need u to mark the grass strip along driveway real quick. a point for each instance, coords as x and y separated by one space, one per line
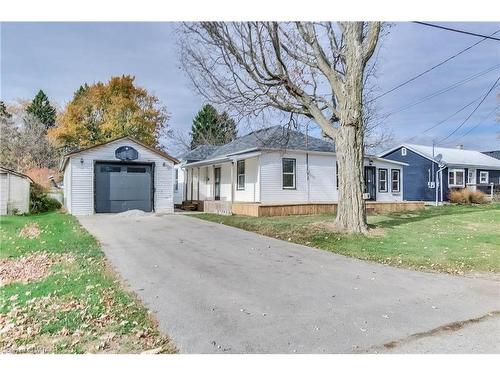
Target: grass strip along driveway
453 239
57 294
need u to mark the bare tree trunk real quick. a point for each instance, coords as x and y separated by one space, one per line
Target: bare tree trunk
351 215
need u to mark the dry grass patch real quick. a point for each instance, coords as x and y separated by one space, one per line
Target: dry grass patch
29 268
30 230
38 326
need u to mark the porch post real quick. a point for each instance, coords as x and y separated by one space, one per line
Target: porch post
212 185
232 181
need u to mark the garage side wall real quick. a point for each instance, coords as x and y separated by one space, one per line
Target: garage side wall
81 196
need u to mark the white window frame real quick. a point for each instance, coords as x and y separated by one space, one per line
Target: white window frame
294 174
403 151
238 175
453 172
386 190
176 186
398 180
471 172
484 173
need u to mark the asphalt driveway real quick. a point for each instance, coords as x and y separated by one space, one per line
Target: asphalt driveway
218 289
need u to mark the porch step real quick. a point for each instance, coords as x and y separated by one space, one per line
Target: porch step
189 206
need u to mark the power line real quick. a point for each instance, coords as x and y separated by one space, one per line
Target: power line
470 115
478 124
430 69
457 30
442 91
444 120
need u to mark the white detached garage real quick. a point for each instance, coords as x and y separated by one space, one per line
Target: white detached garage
118 176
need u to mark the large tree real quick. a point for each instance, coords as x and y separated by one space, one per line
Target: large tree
24 145
310 69
211 127
103 111
41 108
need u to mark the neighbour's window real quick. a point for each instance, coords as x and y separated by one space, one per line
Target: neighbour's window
403 151
395 180
176 180
289 166
240 167
471 178
456 177
484 177
382 180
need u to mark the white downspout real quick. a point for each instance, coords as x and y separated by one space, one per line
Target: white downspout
439 175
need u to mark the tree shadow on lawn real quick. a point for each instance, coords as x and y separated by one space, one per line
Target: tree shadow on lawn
397 219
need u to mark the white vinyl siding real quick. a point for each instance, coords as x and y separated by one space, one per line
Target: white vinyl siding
250 193
271 178
79 179
14 194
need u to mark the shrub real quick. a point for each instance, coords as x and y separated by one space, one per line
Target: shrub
465 196
478 197
40 202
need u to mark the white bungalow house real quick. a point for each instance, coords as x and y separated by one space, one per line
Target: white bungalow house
275 166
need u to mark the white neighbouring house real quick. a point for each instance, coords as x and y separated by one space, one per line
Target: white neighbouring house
116 176
276 165
14 192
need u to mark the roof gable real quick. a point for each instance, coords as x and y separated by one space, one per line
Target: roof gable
450 156
163 154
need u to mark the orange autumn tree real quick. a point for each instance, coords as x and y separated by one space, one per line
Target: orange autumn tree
104 111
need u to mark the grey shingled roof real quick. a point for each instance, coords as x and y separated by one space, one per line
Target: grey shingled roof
494 154
276 137
199 153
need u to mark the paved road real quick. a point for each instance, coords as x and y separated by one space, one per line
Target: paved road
215 289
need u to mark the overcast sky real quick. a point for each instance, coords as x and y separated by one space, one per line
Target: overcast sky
59 57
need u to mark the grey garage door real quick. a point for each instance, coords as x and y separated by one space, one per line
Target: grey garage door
123 187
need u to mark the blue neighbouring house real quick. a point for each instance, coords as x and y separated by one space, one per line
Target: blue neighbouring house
435 171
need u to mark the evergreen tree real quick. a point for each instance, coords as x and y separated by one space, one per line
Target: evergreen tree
211 128
4 114
41 108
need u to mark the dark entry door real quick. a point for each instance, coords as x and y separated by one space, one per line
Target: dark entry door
370 182
217 183
122 187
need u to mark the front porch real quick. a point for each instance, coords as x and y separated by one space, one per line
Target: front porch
311 208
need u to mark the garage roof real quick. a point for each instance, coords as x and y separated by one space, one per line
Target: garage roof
7 170
152 149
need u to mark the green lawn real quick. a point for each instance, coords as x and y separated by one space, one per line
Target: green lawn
453 239
78 306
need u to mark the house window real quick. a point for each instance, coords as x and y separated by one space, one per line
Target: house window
382 180
471 176
484 177
456 178
240 168
395 180
288 168
176 180
403 151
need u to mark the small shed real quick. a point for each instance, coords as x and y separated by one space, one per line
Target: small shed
14 192
116 176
